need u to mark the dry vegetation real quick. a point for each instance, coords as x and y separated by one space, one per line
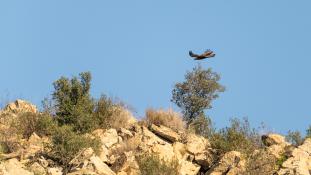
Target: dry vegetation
167 118
151 164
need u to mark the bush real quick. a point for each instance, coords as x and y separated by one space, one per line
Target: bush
150 164
203 126
238 137
28 123
74 106
167 118
109 114
73 103
262 162
196 93
66 144
308 134
9 139
294 137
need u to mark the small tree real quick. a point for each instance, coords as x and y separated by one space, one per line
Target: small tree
196 93
73 102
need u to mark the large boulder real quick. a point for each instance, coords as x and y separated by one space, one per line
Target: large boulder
13 167
188 168
165 132
108 138
20 106
54 171
273 139
37 169
34 145
299 162
205 158
196 144
165 152
276 144
83 172
130 165
100 167
149 139
232 163
179 150
124 133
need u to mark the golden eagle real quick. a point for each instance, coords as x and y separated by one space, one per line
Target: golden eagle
207 54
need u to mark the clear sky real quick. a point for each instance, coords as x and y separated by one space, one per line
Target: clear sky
137 50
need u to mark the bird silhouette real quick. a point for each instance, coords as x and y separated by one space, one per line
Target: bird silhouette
207 54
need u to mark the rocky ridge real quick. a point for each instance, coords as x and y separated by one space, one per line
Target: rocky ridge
120 147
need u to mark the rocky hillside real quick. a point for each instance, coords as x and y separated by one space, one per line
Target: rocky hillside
125 151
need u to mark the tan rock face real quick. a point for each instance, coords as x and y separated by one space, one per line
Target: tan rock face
100 167
54 171
179 150
108 138
37 169
124 133
83 172
13 167
205 159
165 152
34 145
188 168
231 163
273 139
130 166
196 144
20 106
149 138
165 133
300 161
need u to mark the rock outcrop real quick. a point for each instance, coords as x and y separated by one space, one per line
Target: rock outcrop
232 163
299 162
276 144
20 106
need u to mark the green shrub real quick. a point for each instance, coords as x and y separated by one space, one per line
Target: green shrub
103 111
73 103
74 106
45 126
66 144
28 123
150 164
238 137
4 148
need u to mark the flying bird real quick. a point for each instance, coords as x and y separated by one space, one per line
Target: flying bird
207 54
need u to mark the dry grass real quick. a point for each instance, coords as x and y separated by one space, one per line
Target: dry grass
120 117
167 118
261 162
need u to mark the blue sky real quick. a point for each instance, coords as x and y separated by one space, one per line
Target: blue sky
137 50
